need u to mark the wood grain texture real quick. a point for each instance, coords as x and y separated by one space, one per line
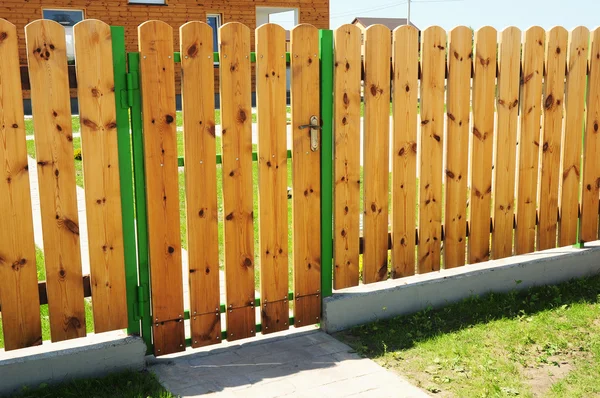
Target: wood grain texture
505 148
552 123
346 119
47 59
160 162
433 68
168 337
460 50
591 161
306 172
272 175
405 63
18 276
481 144
234 46
572 136
200 149
376 153
98 119
529 137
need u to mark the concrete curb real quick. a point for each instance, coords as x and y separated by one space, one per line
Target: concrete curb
368 303
93 356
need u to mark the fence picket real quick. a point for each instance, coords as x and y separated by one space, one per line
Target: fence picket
481 140
552 113
376 153
433 67
272 180
93 51
529 138
404 167
162 191
236 119
347 77
306 175
507 114
18 276
47 60
591 160
572 136
460 50
197 88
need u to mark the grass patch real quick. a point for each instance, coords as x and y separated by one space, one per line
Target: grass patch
543 342
41 274
121 385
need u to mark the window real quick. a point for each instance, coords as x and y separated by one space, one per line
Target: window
214 20
159 2
67 18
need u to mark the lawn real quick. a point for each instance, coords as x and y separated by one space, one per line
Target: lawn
121 385
543 342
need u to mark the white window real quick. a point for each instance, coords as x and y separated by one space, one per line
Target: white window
160 2
67 18
214 20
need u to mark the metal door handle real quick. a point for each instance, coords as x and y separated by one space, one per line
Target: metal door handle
314 132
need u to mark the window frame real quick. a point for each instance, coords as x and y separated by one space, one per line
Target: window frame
68 32
147 2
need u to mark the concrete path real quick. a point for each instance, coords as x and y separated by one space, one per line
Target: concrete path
297 363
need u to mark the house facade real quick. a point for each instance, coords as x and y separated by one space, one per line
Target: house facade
132 13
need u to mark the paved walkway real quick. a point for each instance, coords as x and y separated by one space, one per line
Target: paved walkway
297 363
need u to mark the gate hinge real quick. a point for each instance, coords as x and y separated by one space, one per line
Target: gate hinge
141 301
132 85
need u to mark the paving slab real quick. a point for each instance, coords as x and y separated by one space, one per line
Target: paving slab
303 362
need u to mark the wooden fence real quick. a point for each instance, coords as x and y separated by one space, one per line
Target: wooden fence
491 151
46 49
493 147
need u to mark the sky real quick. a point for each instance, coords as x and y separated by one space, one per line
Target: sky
473 13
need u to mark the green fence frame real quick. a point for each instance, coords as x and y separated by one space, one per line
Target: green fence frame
133 188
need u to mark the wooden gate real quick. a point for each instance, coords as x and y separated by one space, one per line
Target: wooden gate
223 159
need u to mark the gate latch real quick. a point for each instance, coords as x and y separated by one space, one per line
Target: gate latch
314 132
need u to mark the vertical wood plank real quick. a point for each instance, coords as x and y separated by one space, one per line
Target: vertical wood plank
591 161
95 90
346 109
529 138
481 140
404 162
433 67
505 149
306 175
162 191
47 59
197 88
554 93
272 176
18 276
460 56
572 136
234 45
376 153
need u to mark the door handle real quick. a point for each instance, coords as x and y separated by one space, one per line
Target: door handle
314 132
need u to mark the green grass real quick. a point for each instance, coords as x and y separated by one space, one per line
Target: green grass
121 385
545 341
41 274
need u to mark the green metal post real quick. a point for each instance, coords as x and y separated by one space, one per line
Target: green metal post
326 57
140 199
126 176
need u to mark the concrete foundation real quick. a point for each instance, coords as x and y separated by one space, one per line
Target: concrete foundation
368 303
93 356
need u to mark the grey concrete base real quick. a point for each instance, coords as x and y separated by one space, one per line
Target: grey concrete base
93 356
368 303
